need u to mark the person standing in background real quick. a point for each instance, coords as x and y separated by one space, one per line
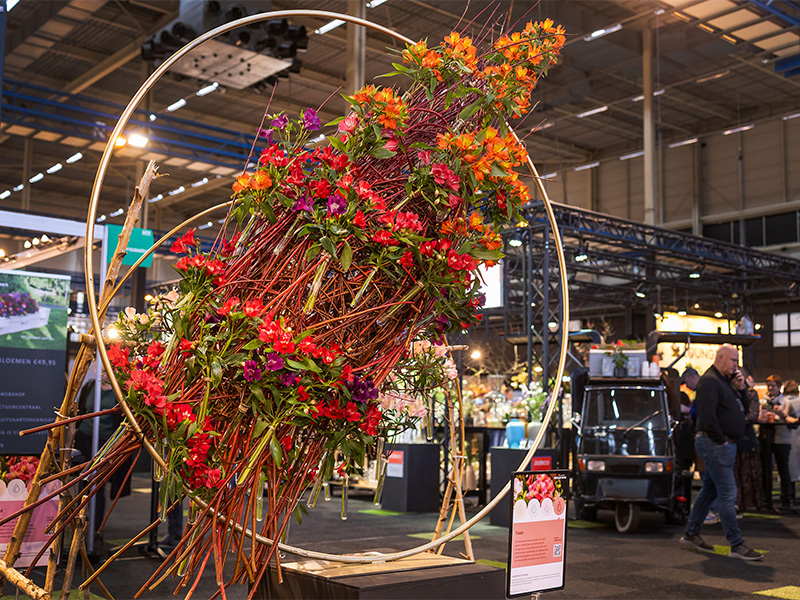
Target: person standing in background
766 438
782 406
720 424
748 460
794 454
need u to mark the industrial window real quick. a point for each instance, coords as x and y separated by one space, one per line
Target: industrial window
718 231
781 229
786 329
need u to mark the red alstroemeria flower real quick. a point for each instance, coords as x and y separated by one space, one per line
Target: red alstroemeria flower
359 220
119 357
182 244
351 412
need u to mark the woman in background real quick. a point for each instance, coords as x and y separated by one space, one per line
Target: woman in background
747 468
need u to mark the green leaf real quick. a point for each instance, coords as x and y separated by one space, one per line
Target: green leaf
347 256
312 252
298 511
337 143
253 344
470 110
329 246
259 427
256 391
294 365
382 153
216 373
266 209
276 450
400 67
486 254
497 171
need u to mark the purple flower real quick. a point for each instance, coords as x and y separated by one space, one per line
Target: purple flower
251 370
266 133
303 203
287 378
273 361
362 390
280 122
336 205
311 120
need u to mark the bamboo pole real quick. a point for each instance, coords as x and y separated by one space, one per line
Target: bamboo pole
79 371
74 550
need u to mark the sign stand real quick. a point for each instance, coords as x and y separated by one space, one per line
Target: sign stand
537 535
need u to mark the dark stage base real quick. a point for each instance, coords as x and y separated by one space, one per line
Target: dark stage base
422 577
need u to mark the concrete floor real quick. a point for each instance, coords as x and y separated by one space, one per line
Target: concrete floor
600 563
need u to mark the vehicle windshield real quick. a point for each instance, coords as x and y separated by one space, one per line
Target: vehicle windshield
625 421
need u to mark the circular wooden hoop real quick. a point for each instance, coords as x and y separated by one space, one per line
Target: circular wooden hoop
94 312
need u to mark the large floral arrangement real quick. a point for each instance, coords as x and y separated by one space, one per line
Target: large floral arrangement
18 467
290 341
15 304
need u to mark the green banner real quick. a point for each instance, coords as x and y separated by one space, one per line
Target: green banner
140 242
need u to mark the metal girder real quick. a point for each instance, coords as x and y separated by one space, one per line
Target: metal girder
591 226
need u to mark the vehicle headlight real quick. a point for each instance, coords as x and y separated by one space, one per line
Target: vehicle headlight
595 465
654 467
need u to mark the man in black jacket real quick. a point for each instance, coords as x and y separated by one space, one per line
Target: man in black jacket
720 423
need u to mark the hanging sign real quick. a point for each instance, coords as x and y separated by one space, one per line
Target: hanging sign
33 348
538 532
140 242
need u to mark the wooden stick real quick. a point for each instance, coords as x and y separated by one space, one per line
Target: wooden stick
22 583
74 550
79 371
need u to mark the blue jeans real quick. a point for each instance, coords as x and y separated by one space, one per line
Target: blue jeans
718 483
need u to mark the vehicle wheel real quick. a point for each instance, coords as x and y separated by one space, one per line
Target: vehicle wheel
626 516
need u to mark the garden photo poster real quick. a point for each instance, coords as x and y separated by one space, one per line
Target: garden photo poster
33 344
537 535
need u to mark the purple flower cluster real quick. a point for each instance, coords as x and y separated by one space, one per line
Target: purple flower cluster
362 390
251 371
17 303
336 205
273 361
311 120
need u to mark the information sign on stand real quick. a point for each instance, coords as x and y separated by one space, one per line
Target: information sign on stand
538 533
33 343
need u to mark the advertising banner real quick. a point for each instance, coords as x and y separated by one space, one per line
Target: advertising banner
12 498
33 347
538 532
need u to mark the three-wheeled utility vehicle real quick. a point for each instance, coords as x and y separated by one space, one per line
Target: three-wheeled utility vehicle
626 456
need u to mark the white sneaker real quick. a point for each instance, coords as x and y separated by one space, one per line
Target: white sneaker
712 518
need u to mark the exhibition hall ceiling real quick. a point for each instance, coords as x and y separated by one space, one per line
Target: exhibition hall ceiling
70 67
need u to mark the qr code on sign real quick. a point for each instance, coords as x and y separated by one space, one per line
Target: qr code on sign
556 550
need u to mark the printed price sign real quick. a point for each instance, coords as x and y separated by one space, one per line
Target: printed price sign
538 532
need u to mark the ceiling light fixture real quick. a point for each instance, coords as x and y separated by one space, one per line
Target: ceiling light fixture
101 218
36 178
207 89
120 142
598 33
552 175
176 105
35 241
515 243
582 253
206 226
632 155
55 168
27 244
639 291
44 238
681 313
718 314
138 140
543 125
329 27
592 111
591 165
19 188
155 199
747 127
176 191
74 158
640 97
117 212
11 4
5 194
683 143
792 116
152 117
375 3
203 181
719 75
